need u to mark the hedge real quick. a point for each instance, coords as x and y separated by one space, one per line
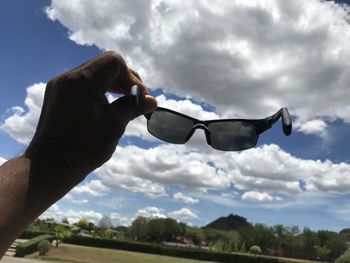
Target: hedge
28 234
31 245
166 251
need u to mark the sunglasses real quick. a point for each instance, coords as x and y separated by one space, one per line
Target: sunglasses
226 135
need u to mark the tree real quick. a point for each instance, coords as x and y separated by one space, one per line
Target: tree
105 222
311 241
172 229
195 234
139 228
226 236
263 236
61 233
218 246
156 229
65 220
39 225
256 250
322 252
336 244
280 233
83 224
344 258
243 249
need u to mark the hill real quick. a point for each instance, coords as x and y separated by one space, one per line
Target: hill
230 222
345 233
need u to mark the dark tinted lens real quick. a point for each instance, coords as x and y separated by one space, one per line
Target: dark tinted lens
169 126
232 135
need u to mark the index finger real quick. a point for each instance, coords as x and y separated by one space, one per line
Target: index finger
100 73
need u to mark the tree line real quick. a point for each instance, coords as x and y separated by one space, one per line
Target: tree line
278 240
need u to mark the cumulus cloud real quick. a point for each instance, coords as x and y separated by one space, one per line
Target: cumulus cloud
70 198
184 198
80 201
22 123
146 170
150 212
266 169
246 58
93 188
154 212
183 214
316 126
73 216
253 196
2 160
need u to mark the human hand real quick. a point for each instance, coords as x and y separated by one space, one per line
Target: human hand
78 128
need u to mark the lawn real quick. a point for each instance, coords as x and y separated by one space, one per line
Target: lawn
79 254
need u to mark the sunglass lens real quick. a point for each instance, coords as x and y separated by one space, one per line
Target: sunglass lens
232 135
169 127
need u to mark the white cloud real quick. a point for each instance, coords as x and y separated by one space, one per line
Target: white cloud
21 124
73 216
253 196
247 58
183 214
93 188
312 127
155 212
267 169
151 212
80 201
184 198
69 197
121 220
2 160
150 170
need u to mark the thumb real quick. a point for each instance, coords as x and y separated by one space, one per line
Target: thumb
123 109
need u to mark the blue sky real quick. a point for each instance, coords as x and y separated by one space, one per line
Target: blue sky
230 59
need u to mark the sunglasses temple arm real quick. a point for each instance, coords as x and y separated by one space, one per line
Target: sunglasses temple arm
286 120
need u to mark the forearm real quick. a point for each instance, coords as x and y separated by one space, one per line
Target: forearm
27 188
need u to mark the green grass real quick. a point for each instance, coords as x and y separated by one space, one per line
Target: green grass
66 253
79 254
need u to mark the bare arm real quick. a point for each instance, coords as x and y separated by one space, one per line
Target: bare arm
77 132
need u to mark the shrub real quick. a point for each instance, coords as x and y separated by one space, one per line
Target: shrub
29 234
256 250
167 251
61 233
345 258
31 245
43 247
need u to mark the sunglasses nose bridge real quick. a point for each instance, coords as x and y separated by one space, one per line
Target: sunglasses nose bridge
203 127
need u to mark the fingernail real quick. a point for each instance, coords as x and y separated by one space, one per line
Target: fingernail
135 95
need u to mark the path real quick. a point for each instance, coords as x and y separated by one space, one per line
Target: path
6 259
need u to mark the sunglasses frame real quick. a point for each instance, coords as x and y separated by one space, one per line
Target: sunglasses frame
261 125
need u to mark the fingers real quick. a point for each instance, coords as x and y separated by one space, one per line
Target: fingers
107 72
123 109
126 79
100 73
135 74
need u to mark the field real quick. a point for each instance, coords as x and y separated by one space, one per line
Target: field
67 253
79 254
